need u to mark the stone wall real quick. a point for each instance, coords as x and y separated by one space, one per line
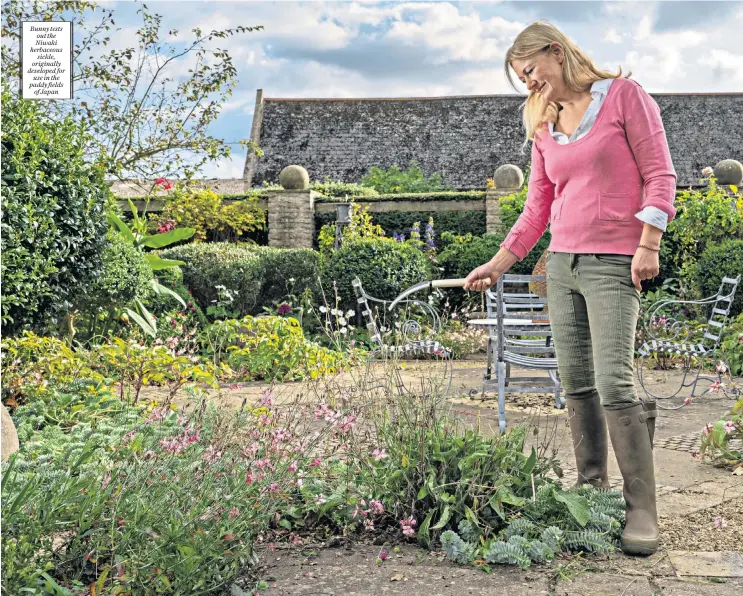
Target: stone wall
462 138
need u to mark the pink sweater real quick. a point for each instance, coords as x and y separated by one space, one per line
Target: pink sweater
590 190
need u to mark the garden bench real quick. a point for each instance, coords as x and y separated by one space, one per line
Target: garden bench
669 336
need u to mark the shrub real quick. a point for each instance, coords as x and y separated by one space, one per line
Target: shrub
724 259
54 208
31 363
703 218
463 254
205 212
272 348
396 180
335 190
125 275
258 274
384 266
731 346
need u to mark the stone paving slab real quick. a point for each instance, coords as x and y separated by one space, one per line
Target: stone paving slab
713 564
604 584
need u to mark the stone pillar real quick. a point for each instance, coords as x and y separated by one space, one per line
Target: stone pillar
291 211
508 180
255 137
9 435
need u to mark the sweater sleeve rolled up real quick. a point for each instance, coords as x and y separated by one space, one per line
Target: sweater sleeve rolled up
647 139
533 221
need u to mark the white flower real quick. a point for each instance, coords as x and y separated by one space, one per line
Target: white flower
342 321
343 330
323 309
708 171
291 280
349 314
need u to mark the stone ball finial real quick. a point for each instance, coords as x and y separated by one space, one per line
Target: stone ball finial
294 178
508 176
729 171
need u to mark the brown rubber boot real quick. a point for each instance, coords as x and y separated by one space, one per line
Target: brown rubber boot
590 441
630 437
651 413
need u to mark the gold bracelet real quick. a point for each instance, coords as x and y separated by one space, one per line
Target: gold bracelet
648 247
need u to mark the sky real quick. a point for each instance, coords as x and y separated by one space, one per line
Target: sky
428 49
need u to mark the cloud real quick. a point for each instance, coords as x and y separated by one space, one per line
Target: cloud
672 16
231 167
558 12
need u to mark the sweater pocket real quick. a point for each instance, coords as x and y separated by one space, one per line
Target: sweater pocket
614 206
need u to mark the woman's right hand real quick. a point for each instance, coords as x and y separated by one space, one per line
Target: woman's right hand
482 277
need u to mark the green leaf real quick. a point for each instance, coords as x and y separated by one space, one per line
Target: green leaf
444 519
530 463
285 523
122 227
161 290
141 322
423 492
156 263
497 505
160 240
577 505
424 538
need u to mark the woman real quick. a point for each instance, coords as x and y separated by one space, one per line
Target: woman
602 177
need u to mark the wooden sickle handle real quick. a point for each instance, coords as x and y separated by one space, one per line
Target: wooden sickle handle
454 283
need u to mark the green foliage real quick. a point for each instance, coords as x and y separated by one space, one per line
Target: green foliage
718 260
205 212
396 180
384 266
425 196
338 191
705 217
361 226
731 346
151 501
585 519
54 207
717 438
271 348
260 275
124 277
31 363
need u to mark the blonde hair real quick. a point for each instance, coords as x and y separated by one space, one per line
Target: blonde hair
578 70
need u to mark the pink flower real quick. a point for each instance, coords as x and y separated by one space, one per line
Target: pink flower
211 454
234 386
347 423
383 556
688 400
376 507
273 487
379 455
707 429
292 467
284 308
267 398
368 524
729 426
164 184
250 478
407 526
721 523
316 462
721 368
717 386
234 512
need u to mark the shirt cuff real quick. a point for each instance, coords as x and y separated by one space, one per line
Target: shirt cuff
653 216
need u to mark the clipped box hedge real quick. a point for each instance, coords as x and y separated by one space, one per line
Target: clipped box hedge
260 274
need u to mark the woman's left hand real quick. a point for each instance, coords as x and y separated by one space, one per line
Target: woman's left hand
645 265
